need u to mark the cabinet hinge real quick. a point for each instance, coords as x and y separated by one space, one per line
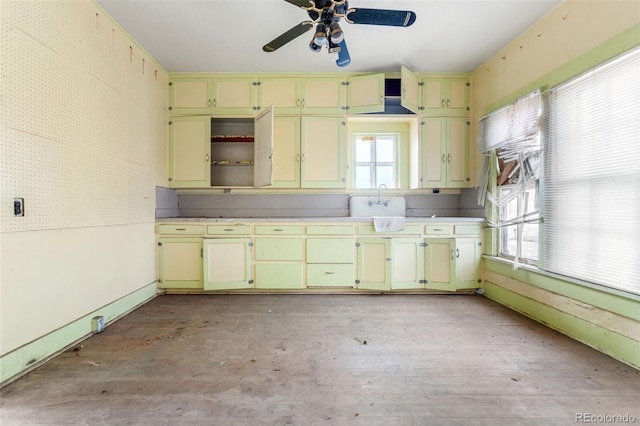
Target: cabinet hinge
170 83
423 244
159 244
468 123
423 281
357 244
255 108
159 281
468 84
344 83
345 108
170 123
250 243
170 108
421 108
357 281
170 179
479 244
421 83
250 282
256 83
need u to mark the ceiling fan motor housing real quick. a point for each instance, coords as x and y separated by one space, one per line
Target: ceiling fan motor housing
328 14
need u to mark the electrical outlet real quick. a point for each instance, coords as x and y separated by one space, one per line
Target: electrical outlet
18 206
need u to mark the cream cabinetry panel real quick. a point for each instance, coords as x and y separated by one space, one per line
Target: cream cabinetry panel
439 265
445 151
286 152
365 93
323 152
445 96
407 263
283 93
234 96
323 96
227 263
467 260
189 152
180 263
410 90
374 263
190 95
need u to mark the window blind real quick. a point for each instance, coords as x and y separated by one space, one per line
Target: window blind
592 176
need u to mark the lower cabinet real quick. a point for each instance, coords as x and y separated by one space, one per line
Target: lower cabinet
180 263
452 263
374 263
407 265
227 263
330 262
279 262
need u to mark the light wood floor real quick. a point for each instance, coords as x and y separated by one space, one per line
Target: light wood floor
323 360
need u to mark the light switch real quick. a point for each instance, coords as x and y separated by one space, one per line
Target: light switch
18 206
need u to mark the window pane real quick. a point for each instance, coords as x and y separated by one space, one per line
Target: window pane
386 175
363 177
363 149
385 149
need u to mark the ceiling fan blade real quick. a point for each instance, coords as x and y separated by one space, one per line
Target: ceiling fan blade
299 3
287 36
344 58
394 18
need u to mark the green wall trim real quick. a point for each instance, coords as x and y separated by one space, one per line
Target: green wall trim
627 306
26 358
611 48
619 347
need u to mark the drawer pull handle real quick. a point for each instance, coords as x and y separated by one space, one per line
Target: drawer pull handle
437 229
181 229
228 229
278 229
329 272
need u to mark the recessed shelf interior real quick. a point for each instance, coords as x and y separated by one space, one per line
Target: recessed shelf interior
232 151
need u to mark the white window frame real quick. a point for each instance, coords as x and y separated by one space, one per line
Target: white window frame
374 164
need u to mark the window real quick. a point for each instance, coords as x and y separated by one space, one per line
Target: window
592 176
510 139
376 160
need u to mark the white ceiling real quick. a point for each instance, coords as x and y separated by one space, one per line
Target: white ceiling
228 35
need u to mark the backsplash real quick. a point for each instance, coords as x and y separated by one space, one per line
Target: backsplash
171 204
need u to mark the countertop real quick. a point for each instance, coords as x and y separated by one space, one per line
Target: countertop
319 219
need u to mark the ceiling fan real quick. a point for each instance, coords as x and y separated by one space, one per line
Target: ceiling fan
326 15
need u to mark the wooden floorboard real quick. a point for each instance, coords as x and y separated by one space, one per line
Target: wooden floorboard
323 360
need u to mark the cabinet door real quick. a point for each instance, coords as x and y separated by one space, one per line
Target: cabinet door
457 147
323 152
365 93
180 263
467 258
439 264
227 263
286 152
234 96
190 95
330 250
407 263
281 93
410 94
445 96
323 96
434 142
189 151
279 276
374 263
263 149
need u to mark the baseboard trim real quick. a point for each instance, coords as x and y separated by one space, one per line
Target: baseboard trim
27 358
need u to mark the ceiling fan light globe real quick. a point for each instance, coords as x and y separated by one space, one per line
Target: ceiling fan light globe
320 37
336 33
314 47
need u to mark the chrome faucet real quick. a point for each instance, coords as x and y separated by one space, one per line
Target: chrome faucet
386 203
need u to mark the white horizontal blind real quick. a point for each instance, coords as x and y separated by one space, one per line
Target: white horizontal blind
592 176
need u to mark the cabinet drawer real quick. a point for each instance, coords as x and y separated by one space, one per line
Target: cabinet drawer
467 230
278 249
278 230
408 230
438 229
279 276
228 230
330 230
181 229
330 250
330 275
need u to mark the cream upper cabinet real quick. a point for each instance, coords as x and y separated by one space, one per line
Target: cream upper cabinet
323 152
323 96
234 96
286 152
281 92
263 149
444 152
445 96
190 95
410 90
365 93
189 152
